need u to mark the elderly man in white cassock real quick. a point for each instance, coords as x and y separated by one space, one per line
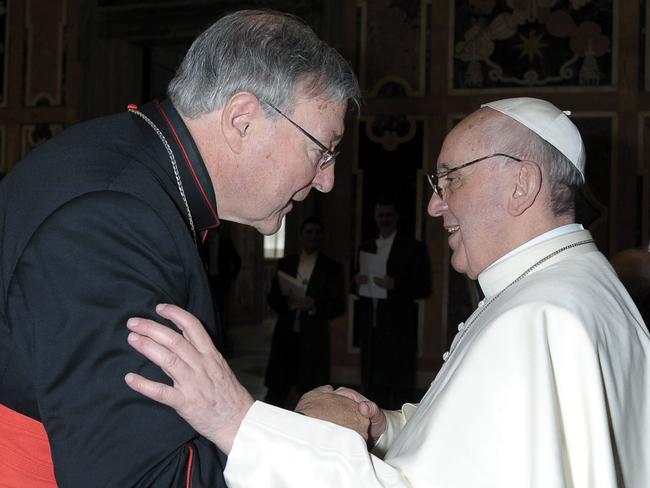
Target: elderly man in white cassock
547 383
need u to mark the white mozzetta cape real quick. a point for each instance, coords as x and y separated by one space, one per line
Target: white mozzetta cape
549 387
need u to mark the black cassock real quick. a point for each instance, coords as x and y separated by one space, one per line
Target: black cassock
94 231
302 358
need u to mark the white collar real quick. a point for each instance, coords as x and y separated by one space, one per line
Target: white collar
308 257
388 239
500 274
558 231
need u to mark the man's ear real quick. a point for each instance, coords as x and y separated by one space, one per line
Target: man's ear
527 184
239 112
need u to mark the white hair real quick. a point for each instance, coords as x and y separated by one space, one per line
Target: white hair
266 53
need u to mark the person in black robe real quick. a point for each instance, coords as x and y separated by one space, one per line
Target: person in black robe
388 327
103 222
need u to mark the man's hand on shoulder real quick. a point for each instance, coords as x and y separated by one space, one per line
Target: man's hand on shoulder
205 392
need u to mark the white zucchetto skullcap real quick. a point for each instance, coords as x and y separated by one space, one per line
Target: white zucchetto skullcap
548 122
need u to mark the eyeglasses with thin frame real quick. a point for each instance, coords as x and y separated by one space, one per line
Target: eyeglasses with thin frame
329 156
435 177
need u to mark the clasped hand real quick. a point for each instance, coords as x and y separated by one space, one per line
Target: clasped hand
207 394
345 407
301 303
384 281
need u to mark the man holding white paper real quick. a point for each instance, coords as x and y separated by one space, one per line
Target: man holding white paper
307 292
372 266
394 271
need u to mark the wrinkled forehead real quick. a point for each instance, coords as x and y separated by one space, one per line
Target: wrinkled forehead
468 140
317 102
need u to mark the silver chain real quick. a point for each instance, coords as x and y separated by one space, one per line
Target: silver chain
471 320
179 183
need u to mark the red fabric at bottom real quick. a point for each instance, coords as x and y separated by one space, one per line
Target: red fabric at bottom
25 456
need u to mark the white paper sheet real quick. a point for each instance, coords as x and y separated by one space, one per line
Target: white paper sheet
373 266
290 286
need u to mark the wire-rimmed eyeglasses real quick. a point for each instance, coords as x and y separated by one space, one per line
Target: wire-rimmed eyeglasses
435 177
328 158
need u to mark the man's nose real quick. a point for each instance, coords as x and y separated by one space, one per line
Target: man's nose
324 179
437 206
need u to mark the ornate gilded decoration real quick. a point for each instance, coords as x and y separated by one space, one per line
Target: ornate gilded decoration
599 131
532 43
390 130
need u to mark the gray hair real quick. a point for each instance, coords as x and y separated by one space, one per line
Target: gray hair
266 53
508 136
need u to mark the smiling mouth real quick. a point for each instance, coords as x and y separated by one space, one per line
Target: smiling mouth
452 229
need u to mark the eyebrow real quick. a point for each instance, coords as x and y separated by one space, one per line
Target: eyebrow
443 167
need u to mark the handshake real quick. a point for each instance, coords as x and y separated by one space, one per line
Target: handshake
206 393
346 408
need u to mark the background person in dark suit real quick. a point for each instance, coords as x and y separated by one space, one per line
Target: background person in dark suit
300 348
388 327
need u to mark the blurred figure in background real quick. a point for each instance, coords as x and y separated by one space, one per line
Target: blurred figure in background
300 348
388 326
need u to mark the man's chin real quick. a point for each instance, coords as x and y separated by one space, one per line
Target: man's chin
273 223
268 228
459 265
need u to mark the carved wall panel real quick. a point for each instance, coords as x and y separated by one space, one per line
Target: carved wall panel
36 134
599 132
39 67
45 52
642 74
3 153
400 29
4 46
532 43
643 178
644 47
391 158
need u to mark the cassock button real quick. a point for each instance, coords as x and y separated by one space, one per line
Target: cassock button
445 356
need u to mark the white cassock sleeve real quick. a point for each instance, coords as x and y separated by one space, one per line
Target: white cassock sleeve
279 448
525 404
